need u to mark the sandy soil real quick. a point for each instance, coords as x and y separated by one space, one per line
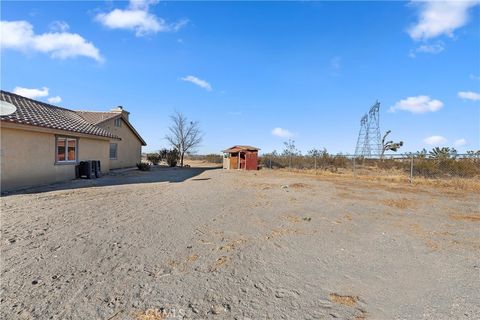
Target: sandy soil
212 244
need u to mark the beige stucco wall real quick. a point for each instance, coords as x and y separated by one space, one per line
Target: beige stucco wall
94 149
27 158
129 150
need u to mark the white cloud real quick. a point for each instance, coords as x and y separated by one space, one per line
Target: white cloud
435 140
435 48
138 18
282 133
142 4
440 18
139 21
460 142
469 95
199 82
418 104
55 99
19 35
31 93
431 48
179 25
59 26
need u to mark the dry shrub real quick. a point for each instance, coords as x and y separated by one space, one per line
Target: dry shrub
434 168
388 178
210 158
325 162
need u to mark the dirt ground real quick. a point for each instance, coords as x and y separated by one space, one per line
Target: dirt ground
203 243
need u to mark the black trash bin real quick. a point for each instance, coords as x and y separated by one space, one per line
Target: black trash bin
86 170
97 168
77 171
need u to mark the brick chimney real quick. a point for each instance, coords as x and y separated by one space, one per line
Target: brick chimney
120 109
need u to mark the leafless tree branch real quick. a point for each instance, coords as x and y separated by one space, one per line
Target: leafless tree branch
183 135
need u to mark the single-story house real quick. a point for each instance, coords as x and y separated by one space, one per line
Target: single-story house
241 157
42 143
126 152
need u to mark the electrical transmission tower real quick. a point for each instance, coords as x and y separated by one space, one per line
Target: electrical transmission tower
369 141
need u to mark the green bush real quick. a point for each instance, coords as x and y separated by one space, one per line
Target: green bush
154 158
172 157
142 166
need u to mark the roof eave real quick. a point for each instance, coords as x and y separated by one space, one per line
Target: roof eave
20 123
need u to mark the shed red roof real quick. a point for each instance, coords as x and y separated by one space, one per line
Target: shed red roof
240 148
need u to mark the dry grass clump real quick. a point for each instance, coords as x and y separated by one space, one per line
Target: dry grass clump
150 314
192 258
297 219
344 300
233 244
465 217
220 262
294 219
299 186
403 203
472 184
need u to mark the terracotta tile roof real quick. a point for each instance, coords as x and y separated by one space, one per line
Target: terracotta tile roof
96 117
40 114
241 148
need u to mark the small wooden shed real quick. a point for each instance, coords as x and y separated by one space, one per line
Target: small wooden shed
241 158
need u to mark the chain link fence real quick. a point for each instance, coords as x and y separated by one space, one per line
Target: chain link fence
400 167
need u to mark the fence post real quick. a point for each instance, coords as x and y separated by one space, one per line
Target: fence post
411 170
354 173
315 163
270 162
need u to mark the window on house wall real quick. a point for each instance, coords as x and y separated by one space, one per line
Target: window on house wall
66 149
113 151
118 122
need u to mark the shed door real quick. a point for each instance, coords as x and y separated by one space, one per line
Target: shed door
233 162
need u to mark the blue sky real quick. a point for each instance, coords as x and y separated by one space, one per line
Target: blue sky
256 73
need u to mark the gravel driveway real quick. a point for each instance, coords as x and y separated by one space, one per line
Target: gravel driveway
213 244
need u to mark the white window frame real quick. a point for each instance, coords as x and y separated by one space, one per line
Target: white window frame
67 160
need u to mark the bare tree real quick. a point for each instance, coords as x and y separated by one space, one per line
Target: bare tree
184 135
389 145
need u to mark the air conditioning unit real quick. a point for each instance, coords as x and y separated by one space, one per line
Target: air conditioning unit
86 170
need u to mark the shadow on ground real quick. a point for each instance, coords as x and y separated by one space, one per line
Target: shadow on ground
134 176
